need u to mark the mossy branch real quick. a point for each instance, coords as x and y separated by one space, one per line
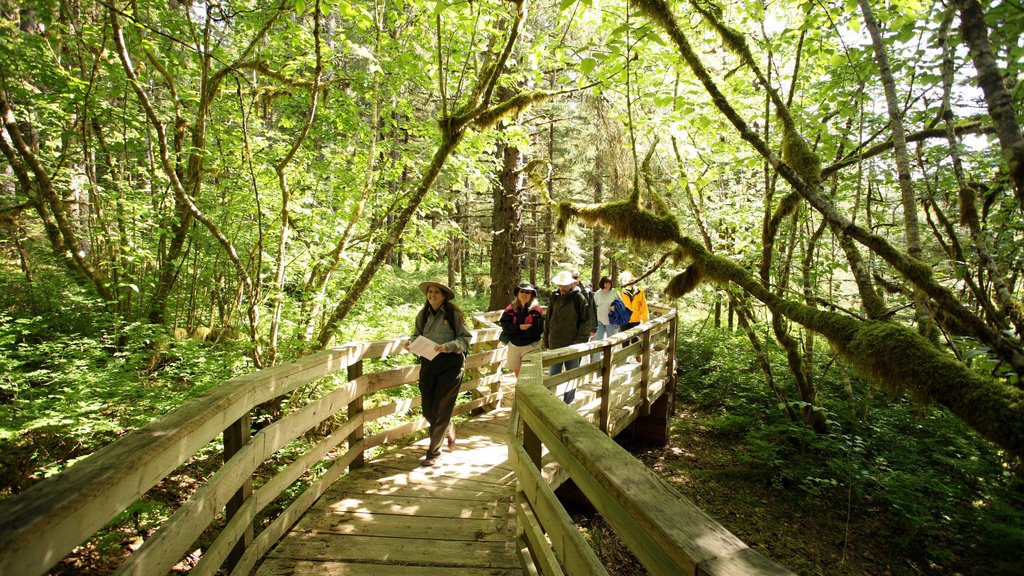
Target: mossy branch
623 219
512 107
913 269
895 356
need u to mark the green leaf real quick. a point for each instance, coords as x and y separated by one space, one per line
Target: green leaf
587 65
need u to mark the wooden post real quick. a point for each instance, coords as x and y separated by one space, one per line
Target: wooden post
604 415
355 410
531 443
654 424
236 436
645 373
672 362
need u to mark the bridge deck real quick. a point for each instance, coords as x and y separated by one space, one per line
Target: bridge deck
393 517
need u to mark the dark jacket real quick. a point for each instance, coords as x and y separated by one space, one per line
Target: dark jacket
567 320
513 316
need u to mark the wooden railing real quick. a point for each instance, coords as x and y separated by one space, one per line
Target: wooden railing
43 524
551 444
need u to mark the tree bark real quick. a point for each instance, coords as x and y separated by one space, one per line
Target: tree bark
507 227
911 227
999 100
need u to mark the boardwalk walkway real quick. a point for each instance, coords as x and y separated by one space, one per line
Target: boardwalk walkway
395 518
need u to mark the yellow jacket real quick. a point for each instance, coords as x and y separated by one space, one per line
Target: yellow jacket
636 300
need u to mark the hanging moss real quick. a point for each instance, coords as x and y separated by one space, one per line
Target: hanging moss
968 210
798 154
685 282
623 219
659 204
510 108
731 39
658 11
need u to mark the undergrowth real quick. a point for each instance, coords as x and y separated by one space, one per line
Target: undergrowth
76 379
936 492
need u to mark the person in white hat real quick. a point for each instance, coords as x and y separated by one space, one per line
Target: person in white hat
444 323
567 323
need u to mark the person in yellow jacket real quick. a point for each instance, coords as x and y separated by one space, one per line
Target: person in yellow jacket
635 299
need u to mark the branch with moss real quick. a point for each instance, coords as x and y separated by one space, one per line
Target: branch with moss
916 271
961 129
893 355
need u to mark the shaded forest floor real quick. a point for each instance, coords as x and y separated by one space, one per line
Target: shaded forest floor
829 535
892 488
823 534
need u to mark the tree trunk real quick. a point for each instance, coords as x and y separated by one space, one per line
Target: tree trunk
925 324
999 100
507 228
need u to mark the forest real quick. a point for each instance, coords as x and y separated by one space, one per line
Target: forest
831 193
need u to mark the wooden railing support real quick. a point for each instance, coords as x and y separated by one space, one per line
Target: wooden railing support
235 437
604 418
355 410
645 374
655 426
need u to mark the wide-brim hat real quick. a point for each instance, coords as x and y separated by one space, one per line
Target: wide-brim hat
448 292
563 278
524 287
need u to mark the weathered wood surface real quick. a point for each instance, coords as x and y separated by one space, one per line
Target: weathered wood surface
395 518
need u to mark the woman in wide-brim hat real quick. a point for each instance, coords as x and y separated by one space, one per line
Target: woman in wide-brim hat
448 292
522 325
444 323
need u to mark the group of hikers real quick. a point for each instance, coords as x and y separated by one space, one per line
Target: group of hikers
574 315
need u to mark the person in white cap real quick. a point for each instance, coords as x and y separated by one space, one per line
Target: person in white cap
567 323
443 322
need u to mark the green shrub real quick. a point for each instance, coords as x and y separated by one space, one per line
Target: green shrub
941 488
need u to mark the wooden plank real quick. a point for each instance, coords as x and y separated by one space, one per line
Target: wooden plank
537 544
280 525
290 567
441 488
526 558
401 526
409 505
472 476
569 545
742 563
399 376
421 551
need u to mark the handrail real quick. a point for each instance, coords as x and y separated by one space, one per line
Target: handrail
668 534
664 530
41 525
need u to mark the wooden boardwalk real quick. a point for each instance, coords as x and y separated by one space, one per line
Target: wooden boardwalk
395 518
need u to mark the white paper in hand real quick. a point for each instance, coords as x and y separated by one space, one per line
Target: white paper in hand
423 346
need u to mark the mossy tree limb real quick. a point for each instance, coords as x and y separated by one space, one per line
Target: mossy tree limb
893 355
896 357
917 272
